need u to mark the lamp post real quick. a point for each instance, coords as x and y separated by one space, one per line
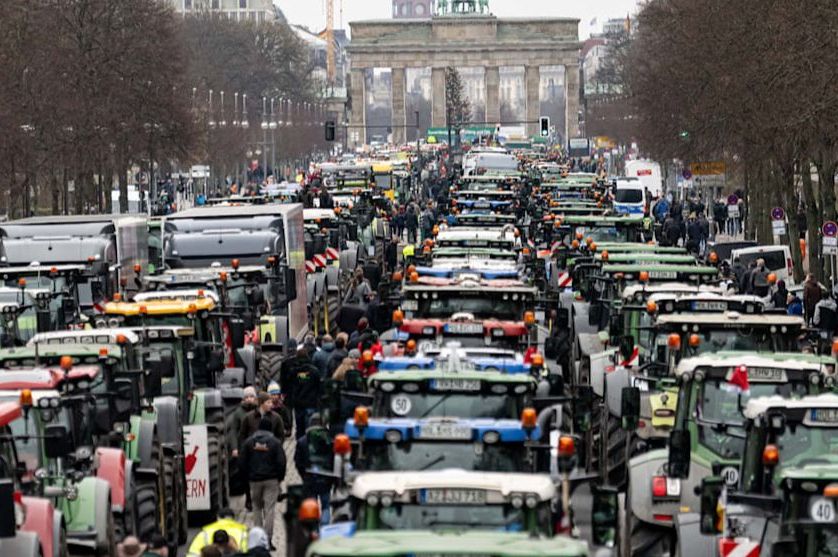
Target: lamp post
264 137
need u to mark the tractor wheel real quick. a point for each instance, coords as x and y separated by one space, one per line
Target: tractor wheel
110 548
218 467
183 523
146 505
270 365
63 550
173 502
641 539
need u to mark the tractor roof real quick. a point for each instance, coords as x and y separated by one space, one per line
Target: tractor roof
758 406
504 482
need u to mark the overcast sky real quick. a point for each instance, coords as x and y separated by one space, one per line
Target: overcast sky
312 13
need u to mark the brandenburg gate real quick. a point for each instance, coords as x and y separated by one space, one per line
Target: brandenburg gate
463 38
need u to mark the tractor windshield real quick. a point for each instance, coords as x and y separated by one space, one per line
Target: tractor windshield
473 513
28 428
801 445
752 339
719 413
460 405
479 304
429 455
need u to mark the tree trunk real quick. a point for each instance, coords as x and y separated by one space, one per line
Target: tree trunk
812 217
826 191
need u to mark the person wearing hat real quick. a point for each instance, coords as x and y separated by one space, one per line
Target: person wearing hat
321 357
280 407
232 428
130 547
263 460
264 409
236 531
258 542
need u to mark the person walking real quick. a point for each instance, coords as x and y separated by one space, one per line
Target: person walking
263 460
305 391
812 294
258 543
411 222
233 425
321 357
781 295
399 222
314 453
338 354
265 409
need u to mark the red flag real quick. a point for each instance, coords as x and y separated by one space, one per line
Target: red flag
738 380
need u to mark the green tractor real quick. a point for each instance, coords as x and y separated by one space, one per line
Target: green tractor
182 332
92 394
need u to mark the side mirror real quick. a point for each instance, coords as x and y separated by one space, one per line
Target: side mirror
153 379
604 515
583 406
290 284
215 361
237 330
562 318
679 454
711 492
127 398
630 408
58 442
626 346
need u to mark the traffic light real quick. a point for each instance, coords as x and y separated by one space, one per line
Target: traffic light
545 126
330 130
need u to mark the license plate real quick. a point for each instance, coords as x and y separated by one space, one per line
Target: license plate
482 205
663 274
455 385
766 375
465 328
410 305
453 497
824 415
445 431
709 306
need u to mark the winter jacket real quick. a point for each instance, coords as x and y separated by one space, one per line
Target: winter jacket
262 457
250 425
321 358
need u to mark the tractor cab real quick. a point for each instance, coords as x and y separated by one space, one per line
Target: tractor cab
212 343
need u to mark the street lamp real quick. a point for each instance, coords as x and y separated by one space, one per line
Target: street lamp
236 110
245 124
211 122
223 122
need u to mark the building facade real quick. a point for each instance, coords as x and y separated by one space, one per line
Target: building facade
404 9
239 10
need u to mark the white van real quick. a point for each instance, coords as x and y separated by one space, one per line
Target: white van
649 174
777 260
630 197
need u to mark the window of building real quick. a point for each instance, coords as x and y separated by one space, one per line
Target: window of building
215 4
243 4
261 17
187 4
252 16
420 9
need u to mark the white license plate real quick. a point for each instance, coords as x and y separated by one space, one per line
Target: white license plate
453 497
455 385
663 274
445 431
465 328
709 306
410 305
825 415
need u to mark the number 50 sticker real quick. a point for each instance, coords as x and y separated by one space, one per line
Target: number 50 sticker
822 509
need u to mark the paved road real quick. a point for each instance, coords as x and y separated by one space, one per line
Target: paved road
237 504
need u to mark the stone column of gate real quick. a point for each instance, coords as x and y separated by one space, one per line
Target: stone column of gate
492 80
357 119
397 92
571 80
438 100
533 83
